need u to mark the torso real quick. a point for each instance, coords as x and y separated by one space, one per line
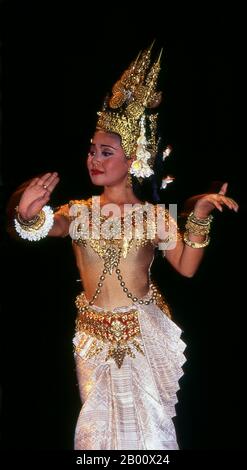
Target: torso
134 270
122 258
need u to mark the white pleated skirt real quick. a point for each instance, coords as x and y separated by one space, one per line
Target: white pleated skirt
131 407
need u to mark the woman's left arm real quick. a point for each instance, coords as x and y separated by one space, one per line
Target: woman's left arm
187 255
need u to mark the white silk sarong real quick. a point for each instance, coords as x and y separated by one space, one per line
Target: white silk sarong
131 407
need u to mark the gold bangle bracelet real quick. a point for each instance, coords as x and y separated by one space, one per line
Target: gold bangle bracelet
24 221
197 229
33 224
204 222
193 244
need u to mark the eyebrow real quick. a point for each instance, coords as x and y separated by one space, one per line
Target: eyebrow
106 145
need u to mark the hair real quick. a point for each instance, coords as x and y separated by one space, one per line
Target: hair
149 189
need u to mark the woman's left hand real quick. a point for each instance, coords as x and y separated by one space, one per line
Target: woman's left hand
206 203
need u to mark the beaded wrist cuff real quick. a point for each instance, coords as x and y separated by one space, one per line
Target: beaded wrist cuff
38 227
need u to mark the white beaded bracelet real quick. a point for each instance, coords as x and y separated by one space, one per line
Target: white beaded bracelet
31 233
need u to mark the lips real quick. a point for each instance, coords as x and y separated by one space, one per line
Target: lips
96 172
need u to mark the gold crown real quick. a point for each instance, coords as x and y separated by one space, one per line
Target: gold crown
125 111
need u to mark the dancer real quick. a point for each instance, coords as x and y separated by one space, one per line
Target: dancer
128 351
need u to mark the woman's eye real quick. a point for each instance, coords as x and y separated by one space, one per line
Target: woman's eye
105 153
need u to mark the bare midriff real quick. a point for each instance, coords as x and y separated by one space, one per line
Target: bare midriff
134 271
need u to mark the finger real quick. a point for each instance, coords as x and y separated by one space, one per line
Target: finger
223 189
33 182
218 206
230 203
232 200
223 199
50 178
52 184
47 179
234 203
235 207
43 178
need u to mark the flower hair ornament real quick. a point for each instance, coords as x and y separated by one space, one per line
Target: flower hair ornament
128 112
140 167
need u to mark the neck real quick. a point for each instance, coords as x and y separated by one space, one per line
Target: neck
118 194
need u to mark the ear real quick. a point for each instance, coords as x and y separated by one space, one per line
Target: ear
130 160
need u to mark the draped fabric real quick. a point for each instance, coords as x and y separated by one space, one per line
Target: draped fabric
131 407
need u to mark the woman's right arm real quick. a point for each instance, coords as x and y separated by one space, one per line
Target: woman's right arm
35 196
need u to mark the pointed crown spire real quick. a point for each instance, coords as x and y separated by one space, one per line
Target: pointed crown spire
128 110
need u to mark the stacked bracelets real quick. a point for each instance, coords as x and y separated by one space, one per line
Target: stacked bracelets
36 228
197 226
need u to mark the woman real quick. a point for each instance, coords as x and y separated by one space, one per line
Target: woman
128 351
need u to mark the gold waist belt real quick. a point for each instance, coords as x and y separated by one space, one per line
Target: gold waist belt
109 326
119 330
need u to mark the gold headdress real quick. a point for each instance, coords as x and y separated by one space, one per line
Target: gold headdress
125 112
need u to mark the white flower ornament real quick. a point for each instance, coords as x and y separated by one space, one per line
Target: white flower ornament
140 168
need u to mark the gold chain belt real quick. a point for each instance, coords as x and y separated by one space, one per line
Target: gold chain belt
108 326
118 330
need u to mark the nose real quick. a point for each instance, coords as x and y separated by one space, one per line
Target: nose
96 159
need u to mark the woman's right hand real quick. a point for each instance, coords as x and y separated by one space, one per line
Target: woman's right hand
36 195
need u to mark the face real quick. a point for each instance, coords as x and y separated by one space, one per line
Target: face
107 164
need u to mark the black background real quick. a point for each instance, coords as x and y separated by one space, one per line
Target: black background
57 67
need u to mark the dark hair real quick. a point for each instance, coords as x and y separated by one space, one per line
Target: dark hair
149 189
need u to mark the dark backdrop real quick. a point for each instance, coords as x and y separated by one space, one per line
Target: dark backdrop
57 67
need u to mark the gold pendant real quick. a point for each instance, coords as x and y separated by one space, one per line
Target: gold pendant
118 352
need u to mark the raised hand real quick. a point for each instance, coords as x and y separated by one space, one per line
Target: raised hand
36 195
206 203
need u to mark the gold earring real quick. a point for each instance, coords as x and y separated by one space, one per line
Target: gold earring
129 180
